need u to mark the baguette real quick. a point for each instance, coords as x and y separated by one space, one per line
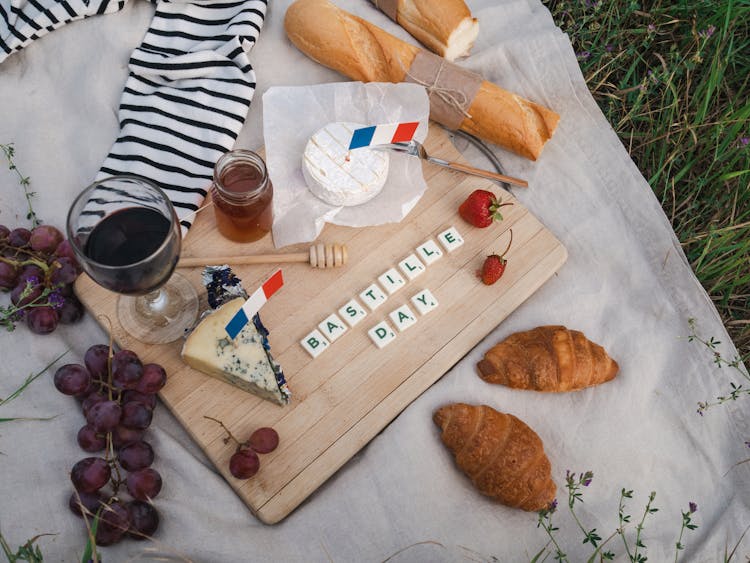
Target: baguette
363 51
446 27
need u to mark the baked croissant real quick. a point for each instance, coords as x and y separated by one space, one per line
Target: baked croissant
502 456
547 358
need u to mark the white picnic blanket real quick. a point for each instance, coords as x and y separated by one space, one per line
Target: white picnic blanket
626 285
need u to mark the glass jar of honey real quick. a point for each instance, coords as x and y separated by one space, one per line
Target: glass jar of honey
242 194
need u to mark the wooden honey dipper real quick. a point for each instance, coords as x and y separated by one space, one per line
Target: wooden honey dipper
320 256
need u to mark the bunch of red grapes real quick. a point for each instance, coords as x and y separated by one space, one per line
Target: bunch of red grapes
38 267
118 396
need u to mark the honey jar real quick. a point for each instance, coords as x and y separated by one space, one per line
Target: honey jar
242 194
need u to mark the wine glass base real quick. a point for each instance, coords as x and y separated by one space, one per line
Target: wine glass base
162 316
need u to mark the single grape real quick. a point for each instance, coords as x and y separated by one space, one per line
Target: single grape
72 379
31 272
90 474
153 379
244 464
114 522
64 271
122 435
96 358
144 484
90 400
127 369
19 237
8 276
263 440
91 441
136 455
71 310
144 519
65 250
45 238
85 503
104 416
42 320
131 396
136 415
26 292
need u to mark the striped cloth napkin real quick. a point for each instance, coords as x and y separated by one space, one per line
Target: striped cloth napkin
188 89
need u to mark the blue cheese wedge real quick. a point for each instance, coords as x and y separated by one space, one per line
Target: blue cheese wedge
339 176
245 362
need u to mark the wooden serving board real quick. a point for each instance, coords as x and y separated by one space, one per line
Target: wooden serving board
344 397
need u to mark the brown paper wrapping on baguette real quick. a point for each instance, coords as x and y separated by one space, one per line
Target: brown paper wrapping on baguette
445 27
547 358
363 51
503 457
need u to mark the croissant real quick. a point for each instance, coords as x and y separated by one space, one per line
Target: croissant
547 358
502 456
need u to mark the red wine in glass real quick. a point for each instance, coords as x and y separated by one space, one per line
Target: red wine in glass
127 237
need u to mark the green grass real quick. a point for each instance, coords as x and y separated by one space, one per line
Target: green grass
673 80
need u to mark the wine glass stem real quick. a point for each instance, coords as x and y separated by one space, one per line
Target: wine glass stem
157 301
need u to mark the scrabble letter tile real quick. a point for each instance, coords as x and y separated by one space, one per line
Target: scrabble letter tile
373 296
332 327
391 281
451 239
314 343
424 301
429 252
381 334
403 318
411 266
352 312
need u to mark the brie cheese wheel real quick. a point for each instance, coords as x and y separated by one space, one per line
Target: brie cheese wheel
245 362
337 175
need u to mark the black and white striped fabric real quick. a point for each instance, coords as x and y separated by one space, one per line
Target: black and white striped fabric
188 90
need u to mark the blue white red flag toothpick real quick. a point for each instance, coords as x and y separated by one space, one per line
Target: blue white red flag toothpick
383 134
253 304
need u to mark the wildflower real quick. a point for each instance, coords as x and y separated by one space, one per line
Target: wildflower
708 32
693 507
651 28
583 55
744 141
609 47
56 300
587 479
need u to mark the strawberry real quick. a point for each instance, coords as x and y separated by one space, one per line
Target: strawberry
494 265
481 208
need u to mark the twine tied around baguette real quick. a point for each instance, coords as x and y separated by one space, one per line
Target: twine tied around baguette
438 76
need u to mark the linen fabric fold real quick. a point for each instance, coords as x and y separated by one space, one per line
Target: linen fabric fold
188 90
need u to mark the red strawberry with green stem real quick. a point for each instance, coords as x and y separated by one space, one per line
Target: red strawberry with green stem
481 208
494 265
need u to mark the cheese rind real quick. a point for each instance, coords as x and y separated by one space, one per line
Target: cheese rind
340 176
244 362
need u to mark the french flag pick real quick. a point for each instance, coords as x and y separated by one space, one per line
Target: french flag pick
383 134
253 304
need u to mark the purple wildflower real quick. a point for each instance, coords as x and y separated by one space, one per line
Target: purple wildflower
708 32
693 507
552 506
587 480
56 300
744 141
651 28
583 55
609 47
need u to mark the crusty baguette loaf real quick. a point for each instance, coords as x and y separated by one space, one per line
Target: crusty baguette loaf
502 456
445 27
363 51
547 358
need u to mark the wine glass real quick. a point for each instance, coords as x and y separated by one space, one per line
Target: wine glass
126 236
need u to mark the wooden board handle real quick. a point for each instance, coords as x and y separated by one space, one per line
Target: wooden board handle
319 256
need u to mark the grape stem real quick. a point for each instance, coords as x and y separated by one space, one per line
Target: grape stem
236 441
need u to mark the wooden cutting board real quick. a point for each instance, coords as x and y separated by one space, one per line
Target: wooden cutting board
347 395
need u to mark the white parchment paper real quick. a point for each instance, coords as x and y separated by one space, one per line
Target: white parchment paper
290 117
